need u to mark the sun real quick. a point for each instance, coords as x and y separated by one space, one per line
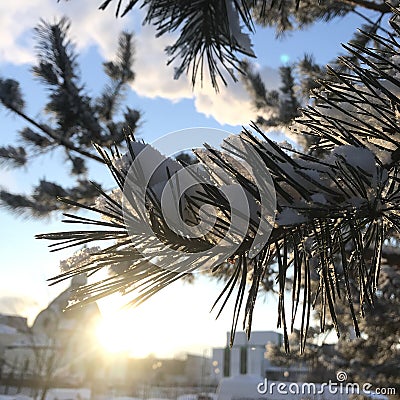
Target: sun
154 327
118 333
113 333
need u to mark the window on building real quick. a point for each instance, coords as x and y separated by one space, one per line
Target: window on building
243 360
227 361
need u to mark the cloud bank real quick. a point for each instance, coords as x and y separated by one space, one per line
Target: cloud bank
91 27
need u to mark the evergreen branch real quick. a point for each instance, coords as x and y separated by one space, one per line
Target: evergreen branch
120 73
56 137
383 8
13 156
46 198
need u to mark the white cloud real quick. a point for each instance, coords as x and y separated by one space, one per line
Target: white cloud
232 105
93 27
153 77
89 27
16 20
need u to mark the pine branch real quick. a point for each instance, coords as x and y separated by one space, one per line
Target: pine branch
59 70
335 210
10 94
13 156
370 5
120 74
211 32
277 109
55 136
77 120
45 198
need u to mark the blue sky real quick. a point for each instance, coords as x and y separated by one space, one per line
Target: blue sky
167 105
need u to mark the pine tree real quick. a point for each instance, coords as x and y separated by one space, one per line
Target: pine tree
93 119
372 358
282 106
217 33
74 119
336 211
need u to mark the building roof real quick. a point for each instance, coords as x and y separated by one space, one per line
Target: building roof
58 316
7 330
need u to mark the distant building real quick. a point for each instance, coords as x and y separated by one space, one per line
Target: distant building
60 344
198 370
14 321
12 329
247 357
192 370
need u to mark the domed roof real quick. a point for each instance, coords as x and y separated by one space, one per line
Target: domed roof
78 280
57 316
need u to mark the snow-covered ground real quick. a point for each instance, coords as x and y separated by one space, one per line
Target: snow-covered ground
54 394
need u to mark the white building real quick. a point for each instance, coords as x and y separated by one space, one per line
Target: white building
60 344
247 356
